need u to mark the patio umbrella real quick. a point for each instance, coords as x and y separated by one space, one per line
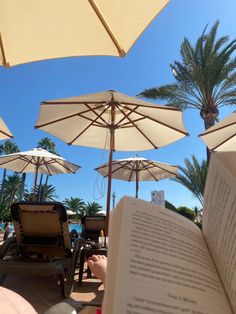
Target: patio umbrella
70 212
222 136
37 160
4 131
36 30
111 120
138 169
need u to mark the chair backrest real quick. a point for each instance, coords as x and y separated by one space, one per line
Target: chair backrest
41 228
91 226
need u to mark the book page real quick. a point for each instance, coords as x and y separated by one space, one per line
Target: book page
219 218
161 265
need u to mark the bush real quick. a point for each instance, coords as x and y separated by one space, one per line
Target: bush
186 212
5 213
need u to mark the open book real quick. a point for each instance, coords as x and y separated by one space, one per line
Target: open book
160 262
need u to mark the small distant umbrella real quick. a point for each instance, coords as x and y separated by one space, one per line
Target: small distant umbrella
111 120
138 169
4 131
222 136
70 212
37 30
37 160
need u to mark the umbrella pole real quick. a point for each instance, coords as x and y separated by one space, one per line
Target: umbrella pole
35 181
109 183
137 179
112 137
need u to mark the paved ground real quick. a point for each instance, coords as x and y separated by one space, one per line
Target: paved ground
44 292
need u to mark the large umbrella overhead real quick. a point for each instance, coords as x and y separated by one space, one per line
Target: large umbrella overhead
4 131
36 30
111 120
37 160
222 136
138 169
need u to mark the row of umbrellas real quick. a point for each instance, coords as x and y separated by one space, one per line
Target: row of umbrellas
113 121
39 160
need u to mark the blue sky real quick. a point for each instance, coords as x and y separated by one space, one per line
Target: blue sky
23 87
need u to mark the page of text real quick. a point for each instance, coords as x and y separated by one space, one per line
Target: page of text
219 218
164 265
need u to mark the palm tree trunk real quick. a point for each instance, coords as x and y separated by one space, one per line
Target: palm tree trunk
22 186
209 121
3 183
41 179
11 199
44 189
40 187
46 181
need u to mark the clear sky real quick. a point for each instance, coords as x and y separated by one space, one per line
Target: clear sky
23 87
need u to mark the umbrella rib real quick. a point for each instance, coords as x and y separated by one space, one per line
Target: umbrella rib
7 161
67 117
85 129
121 166
144 135
149 105
127 124
106 165
216 130
145 167
64 166
17 157
4 61
155 165
28 163
62 159
162 123
100 116
132 171
121 51
221 143
8 135
125 116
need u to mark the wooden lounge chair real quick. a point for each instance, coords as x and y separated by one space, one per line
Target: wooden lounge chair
41 245
91 226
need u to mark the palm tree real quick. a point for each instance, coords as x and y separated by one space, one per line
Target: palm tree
43 193
7 148
76 204
193 177
48 193
92 208
205 77
48 144
22 186
11 188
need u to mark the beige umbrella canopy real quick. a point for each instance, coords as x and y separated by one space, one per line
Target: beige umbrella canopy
222 136
4 131
35 30
111 120
37 160
138 169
